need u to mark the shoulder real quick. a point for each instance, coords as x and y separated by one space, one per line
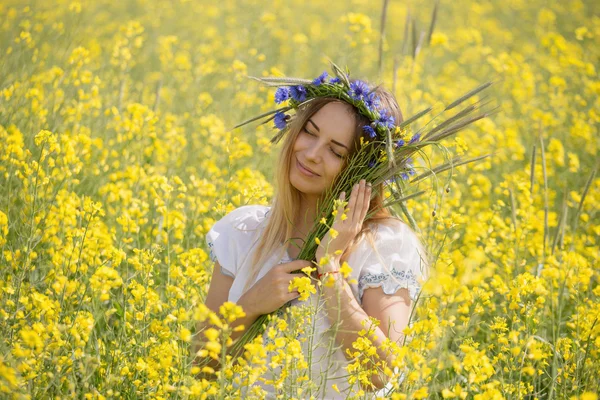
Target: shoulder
392 257
246 217
394 232
248 214
393 242
233 234
238 224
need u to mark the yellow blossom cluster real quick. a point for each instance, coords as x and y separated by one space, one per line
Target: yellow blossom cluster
117 156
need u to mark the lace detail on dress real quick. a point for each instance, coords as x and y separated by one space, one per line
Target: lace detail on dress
211 253
213 257
403 279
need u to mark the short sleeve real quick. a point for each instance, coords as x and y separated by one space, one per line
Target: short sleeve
399 262
232 235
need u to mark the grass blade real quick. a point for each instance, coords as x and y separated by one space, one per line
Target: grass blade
275 139
283 109
455 162
415 117
545 196
580 207
414 38
406 33
339 73
389 149
532 170
468 95
513 209
561 221
382 35
432 24
456 127
450 120
284 80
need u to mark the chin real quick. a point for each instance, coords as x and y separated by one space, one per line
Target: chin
297 183
303 187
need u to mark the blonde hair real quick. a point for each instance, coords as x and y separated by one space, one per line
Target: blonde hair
279 224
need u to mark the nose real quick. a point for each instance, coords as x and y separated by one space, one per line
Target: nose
313 152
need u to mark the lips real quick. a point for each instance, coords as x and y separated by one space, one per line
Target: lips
305 170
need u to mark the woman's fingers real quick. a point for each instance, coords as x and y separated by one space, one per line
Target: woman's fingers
360 200
358 205
294 265
352 202
294 294
340 209
366 204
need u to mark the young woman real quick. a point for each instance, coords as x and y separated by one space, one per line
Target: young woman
255 247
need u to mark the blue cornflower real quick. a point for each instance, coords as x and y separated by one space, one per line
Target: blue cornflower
385 120
400 143
371 101
298 93
282 94
280 120
390 181
358 90
415 138
370 131
371 164
335 80
409 169
320 79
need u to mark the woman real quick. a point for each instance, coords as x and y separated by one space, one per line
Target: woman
255 247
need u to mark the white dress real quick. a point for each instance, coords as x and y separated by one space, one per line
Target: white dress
231 241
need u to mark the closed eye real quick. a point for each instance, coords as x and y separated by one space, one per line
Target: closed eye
330 148
304 129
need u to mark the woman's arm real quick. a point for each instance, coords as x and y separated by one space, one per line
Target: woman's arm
265 296
391 310
218 290
218 293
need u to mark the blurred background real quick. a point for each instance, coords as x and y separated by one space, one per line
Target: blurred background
116 157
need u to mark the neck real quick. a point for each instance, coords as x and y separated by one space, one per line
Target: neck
308 212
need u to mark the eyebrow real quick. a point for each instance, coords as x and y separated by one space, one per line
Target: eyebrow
333 141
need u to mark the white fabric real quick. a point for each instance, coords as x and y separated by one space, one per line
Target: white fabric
396 264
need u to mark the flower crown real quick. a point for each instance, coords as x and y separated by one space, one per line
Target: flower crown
297 92
356 93
386 135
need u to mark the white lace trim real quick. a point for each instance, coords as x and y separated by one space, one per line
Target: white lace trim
213 258
403 279
211 253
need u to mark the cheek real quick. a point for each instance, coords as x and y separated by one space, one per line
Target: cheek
300 143
334 167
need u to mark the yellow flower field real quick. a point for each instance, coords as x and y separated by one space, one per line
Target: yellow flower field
116 157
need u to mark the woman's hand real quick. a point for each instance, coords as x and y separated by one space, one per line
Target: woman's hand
347 229
271 291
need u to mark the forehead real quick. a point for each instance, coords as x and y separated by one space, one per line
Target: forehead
335 119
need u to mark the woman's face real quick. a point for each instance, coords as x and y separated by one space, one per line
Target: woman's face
320 147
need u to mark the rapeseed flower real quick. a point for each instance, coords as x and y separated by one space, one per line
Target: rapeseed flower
112 174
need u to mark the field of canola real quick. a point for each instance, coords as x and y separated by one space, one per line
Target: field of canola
116 158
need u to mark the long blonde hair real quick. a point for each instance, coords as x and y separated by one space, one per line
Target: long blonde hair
279 224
